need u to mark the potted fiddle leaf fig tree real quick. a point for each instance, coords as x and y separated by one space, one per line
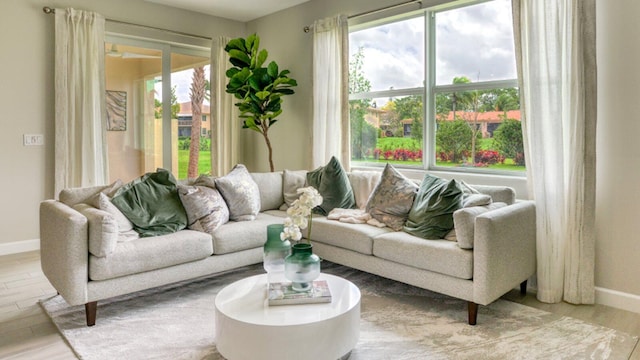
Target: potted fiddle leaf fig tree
259 89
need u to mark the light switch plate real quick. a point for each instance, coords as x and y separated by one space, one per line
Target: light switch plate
33 139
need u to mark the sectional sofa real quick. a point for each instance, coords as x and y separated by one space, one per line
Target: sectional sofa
88 257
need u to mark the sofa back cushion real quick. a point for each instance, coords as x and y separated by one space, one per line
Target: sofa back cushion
73 196
270 186
363 183
503 194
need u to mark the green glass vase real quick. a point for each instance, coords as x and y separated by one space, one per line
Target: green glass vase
302 267
275 250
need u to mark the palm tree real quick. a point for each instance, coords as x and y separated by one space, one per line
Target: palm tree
197 94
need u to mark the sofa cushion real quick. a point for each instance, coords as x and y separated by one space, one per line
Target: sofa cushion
503 194
152 204
150 253
465 219
332 183
236 236
74 196
241 194
292 180
431 216
441 256
205 207
363 183
270 187
392 199
355 237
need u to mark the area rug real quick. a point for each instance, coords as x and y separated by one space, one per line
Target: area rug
398 321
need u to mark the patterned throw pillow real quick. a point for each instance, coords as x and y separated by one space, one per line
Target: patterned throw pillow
392 199
205 207
241 193
332 183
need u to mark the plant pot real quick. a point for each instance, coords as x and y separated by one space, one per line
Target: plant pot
302 267
275 250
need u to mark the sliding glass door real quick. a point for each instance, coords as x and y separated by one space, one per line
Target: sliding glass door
150 111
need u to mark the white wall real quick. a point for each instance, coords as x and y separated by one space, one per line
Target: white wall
27 95
618 154
618 191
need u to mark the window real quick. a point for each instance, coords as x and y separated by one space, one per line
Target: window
437 90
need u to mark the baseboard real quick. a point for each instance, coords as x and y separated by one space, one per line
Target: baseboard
15 247
618 299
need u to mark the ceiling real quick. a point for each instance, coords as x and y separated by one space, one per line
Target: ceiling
239 10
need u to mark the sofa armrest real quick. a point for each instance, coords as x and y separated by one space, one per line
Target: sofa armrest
64 250
504 250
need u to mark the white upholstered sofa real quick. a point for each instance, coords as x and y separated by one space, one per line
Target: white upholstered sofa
86 262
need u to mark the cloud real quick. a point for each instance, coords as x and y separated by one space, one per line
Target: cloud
474 41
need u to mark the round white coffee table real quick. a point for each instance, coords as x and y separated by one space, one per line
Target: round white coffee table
247 328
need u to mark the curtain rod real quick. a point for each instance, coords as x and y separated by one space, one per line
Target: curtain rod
308 28
48 10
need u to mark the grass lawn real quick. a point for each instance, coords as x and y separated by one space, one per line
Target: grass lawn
204 163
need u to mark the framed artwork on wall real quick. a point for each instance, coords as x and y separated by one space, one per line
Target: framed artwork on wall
116 110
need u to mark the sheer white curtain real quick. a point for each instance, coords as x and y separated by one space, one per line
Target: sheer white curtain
330 91
555 46
80 118
225 127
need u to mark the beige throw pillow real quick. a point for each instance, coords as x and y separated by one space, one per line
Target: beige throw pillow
363 183
292 180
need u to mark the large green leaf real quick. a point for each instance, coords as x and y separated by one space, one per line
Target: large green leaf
236 44
231 72
240 55
251 42
262 57
262 95
272 70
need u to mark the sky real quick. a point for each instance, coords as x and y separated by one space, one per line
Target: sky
475 41
182 81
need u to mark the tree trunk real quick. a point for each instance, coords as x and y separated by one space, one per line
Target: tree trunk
197 97
268 142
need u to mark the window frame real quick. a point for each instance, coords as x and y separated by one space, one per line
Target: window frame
429 91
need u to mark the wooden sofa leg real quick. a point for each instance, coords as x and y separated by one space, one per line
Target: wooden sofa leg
473 312
91 309
523 288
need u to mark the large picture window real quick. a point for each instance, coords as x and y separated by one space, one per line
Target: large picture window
437 90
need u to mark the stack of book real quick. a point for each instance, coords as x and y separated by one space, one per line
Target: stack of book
281 293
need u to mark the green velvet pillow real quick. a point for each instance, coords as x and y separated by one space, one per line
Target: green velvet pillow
431 216
333 184
151 202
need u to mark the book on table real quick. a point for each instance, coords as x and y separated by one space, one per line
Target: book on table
281 293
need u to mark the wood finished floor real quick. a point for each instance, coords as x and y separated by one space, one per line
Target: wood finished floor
26 332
